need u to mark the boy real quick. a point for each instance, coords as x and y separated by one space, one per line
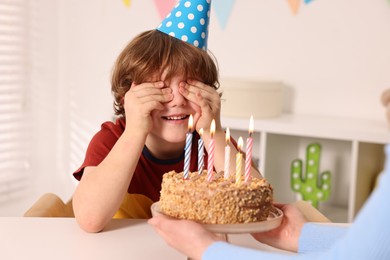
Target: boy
161 78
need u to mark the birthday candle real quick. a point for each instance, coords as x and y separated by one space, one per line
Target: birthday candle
210 162
239 161
249 145
227 154
200 152
187 149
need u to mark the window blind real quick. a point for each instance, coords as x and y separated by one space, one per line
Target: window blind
14 163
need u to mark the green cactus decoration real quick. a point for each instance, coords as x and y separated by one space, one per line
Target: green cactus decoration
312 186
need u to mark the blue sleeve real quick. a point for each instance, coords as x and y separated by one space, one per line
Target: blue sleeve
318 237
225 251
367 238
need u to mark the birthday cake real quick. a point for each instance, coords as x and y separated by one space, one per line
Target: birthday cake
219 201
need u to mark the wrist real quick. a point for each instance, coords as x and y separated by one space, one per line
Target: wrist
206 242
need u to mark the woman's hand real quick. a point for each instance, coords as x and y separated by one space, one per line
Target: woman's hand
286 236
141 100
188 237
208 100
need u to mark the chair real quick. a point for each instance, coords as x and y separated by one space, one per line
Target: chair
50 205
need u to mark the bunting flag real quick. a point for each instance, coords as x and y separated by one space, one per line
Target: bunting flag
223 9
127 2
164 7
294 5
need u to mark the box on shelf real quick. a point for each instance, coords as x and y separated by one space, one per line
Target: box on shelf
243 98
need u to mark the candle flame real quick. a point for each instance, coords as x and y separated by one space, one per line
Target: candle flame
251 127
240 143
227 135
212 128
201 132
190 123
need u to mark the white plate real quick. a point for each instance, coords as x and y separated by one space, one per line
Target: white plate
274 219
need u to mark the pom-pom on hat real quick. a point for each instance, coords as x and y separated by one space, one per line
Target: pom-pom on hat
188 21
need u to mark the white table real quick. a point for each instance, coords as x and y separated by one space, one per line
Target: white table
62 238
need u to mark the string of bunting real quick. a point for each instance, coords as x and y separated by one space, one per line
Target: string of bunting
222 8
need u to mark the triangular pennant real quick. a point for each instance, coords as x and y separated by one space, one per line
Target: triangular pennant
294 5
223 8
308 1
164 6
127 3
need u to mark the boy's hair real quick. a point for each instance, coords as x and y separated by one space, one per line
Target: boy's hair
150 54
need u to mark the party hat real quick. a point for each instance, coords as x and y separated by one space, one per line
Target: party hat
188 21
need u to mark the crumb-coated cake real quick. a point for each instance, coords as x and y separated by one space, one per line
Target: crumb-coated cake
220 201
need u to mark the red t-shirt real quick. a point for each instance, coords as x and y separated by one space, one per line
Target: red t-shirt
148 174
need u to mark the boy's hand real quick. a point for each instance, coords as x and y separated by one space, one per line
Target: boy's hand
141 100
208 100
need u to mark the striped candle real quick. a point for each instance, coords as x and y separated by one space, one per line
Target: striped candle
227 155
210 162
249 145
200 152
239 161
187 149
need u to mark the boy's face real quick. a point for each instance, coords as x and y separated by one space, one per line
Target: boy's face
171 124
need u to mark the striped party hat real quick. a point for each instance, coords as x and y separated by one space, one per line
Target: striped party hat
188 21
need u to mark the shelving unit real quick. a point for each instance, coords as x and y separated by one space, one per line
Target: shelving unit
352 149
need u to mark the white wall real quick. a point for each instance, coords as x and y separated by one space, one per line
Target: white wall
334 54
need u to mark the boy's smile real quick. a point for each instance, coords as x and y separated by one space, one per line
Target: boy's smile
176 119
